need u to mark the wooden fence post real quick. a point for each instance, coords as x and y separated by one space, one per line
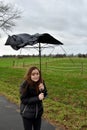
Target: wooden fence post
81 67
13 63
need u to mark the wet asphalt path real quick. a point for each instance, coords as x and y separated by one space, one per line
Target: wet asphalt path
10 118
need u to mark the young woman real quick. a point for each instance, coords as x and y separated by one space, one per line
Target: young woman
32 93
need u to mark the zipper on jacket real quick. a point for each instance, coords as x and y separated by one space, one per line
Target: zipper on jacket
24 109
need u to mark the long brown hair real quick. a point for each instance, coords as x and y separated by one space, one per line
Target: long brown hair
28 78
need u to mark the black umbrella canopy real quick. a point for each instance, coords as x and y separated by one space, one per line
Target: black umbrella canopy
21 40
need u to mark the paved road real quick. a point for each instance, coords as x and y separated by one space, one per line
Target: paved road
10 118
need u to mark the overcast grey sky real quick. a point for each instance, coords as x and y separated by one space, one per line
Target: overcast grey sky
66 20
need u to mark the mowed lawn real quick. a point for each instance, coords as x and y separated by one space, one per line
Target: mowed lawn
66 81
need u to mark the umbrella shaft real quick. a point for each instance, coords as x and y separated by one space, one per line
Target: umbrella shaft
40 54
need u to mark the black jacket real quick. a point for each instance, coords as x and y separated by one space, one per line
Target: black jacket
29 99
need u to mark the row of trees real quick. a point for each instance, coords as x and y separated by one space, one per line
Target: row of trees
50 55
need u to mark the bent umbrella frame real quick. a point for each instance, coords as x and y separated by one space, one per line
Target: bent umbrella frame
21 40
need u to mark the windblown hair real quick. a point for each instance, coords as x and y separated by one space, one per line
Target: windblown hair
28 78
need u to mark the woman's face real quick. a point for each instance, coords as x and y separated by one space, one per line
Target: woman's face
35 75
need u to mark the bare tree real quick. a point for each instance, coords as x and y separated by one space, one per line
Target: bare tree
8 16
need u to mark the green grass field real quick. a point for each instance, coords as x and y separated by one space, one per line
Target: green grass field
66 81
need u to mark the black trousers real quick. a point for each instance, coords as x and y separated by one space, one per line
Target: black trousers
32 124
